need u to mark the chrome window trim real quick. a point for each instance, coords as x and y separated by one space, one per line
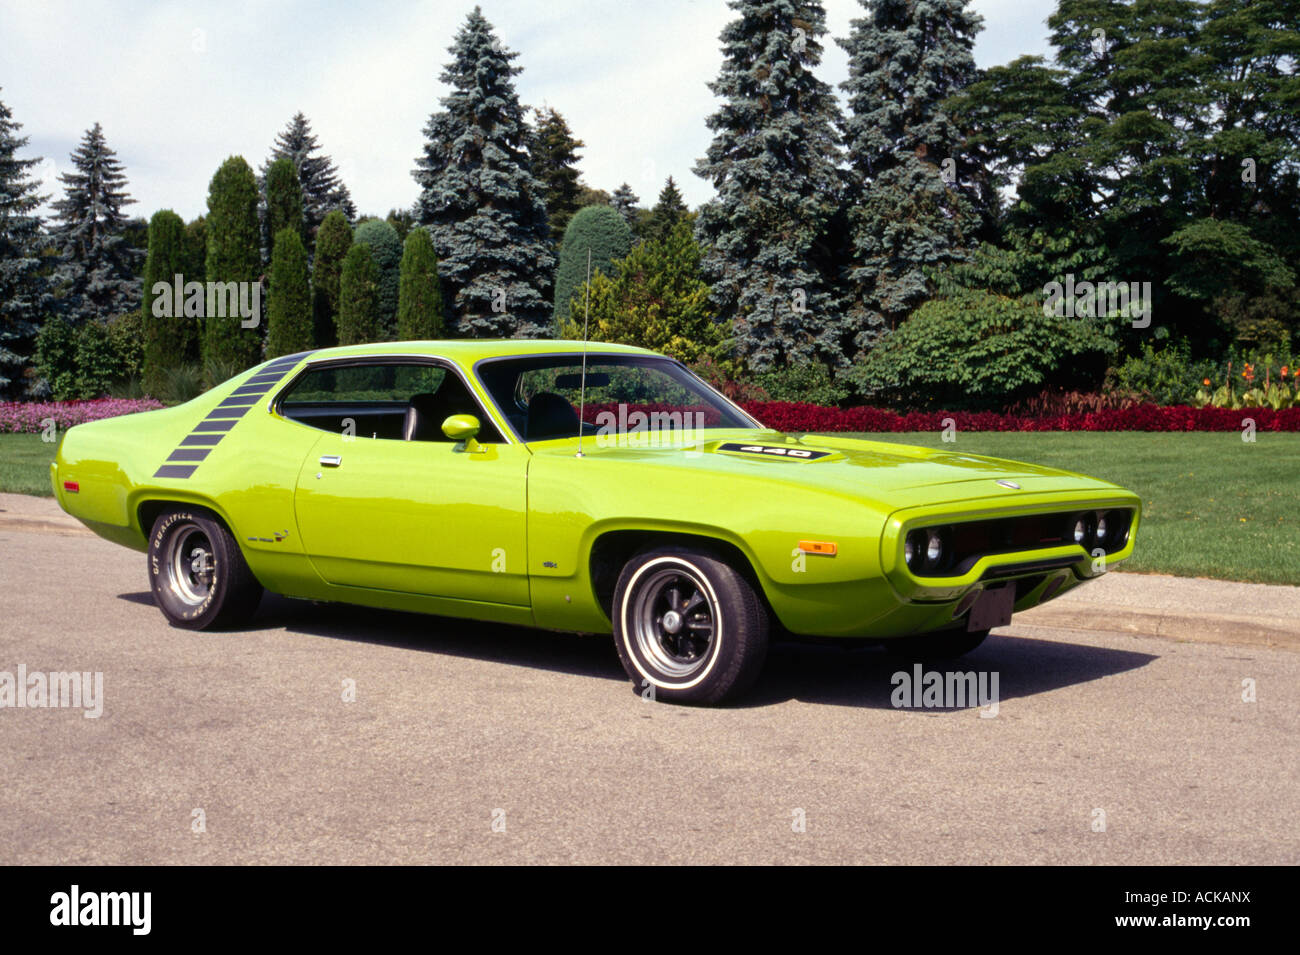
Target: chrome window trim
404 358
744 415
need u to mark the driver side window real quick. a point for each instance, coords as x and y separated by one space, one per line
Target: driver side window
396 401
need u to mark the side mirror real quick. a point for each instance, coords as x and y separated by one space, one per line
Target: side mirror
463 428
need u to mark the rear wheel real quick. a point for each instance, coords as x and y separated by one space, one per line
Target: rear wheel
198 574
689 626
937 646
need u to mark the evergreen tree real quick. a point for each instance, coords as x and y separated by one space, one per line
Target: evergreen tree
169 340
332 244
289 319
909 212
624 201
386 250
773 161
603 231
322 192
24 293
283 199
419 307
233 256
485 209
554 153
358 297
96 274
667 212
196 249
654 298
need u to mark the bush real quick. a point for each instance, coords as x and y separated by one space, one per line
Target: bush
600 229
333 240
386 250
358 297
56 358
419 302
1166 377
813 382
978 349
289 321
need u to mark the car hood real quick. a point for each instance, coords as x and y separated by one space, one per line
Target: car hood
879 470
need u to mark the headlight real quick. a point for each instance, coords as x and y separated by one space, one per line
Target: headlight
933 549
913 547
1102 529
1079 530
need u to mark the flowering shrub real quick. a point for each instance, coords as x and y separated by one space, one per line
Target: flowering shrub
26 417
796 416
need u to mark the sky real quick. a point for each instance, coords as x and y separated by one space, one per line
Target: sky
178 87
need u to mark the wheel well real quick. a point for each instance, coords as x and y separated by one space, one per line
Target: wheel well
149 511
614 549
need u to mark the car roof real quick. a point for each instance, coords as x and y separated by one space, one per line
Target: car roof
467 351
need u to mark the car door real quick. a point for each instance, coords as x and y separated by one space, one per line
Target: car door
422 516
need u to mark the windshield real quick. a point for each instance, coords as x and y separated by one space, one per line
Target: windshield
540 395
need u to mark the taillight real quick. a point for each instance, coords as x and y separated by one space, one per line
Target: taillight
72 487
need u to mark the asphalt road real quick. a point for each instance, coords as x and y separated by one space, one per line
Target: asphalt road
457 724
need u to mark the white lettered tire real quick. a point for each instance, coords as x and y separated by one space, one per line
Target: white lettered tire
198 575
689 628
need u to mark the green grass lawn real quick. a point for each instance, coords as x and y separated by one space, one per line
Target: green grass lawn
1213 505
25 464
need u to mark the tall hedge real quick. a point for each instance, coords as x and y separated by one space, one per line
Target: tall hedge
233 256
386 250
333 240
358 297
288 322
169 340
283 200
600 229
419 301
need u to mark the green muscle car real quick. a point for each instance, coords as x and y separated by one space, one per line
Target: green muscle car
598 489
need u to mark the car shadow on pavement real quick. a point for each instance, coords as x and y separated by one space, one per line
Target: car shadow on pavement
815 673
807 672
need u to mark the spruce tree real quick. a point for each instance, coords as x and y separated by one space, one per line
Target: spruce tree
624 201
667 212
386 250
332 244
289 320
554 153
485 210
773 161
358 297
233 255
169 340
909 211
419 307
603 231
283 197
96 275
322 192
24 293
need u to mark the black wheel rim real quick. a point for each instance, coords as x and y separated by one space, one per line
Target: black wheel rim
674 622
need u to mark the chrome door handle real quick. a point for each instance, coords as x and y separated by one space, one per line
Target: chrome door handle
330 460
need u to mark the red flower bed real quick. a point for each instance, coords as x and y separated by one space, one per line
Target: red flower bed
796 416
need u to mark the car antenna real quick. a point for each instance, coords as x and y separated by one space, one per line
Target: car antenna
582 385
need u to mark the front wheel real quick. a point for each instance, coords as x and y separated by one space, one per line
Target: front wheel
198 574
688 626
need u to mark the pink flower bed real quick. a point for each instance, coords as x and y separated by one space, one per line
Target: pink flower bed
26 417
796 416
